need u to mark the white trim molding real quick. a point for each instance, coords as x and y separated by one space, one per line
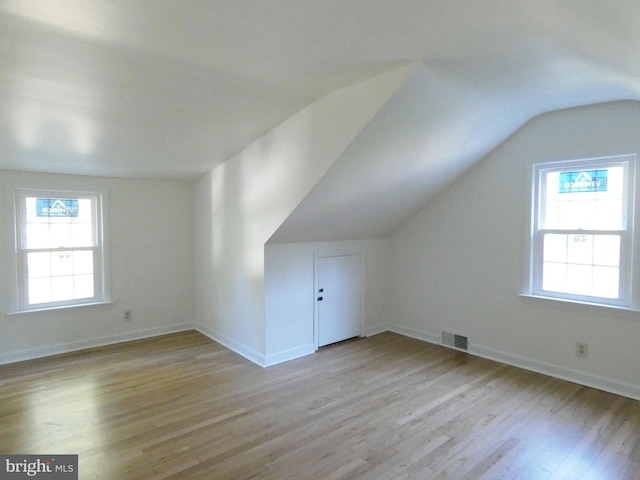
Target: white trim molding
40 352
233 345
287 355
563 373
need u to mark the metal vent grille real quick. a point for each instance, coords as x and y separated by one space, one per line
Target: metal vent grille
459 342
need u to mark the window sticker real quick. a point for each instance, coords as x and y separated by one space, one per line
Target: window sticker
583 181
57 207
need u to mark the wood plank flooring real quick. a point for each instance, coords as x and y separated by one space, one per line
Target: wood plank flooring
385 407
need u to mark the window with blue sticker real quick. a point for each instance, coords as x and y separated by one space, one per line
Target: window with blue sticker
60 249
582 230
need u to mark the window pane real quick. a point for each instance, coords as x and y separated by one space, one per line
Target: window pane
82 262
81 235
44 230
554 277
61 288
60 235
38 235
596 208
39 290
580 264
555 248
30 210
85 211
607 215
606 250
579 279
70 287
39 264
580 249
83 286
606 282
61 264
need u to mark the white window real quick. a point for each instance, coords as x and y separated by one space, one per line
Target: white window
60 249
582 230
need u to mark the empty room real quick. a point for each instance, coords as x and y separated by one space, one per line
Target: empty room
320 239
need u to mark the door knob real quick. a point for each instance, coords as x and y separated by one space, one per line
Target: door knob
319 299
321 290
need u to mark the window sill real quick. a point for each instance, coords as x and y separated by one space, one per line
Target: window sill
61 307
598 308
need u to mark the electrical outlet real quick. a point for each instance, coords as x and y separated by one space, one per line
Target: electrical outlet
127 316
582 350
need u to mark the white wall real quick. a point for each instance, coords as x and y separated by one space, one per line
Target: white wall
290 293
242 203
459 264
150 229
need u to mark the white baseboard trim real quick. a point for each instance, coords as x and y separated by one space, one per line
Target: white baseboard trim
376 329
47 351
413 333
563 373
568 374
233 345
286 355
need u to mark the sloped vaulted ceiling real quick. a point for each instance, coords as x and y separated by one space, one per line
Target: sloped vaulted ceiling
436 126
168 89
453 110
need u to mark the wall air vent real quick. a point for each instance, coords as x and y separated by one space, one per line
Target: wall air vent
459 342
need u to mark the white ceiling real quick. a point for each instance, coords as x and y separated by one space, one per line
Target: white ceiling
169 89
452 111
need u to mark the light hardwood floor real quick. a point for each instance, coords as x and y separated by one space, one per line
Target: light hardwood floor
384 407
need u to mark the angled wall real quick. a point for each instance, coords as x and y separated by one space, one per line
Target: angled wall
290 294
425 136
240 205
439 123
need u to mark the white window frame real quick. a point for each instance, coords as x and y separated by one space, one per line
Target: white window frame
99 199
627 241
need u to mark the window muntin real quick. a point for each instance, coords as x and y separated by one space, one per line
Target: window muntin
582 231
60 249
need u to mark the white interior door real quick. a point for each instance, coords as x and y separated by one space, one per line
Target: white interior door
339 298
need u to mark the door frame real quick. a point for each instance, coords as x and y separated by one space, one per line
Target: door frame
316 285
